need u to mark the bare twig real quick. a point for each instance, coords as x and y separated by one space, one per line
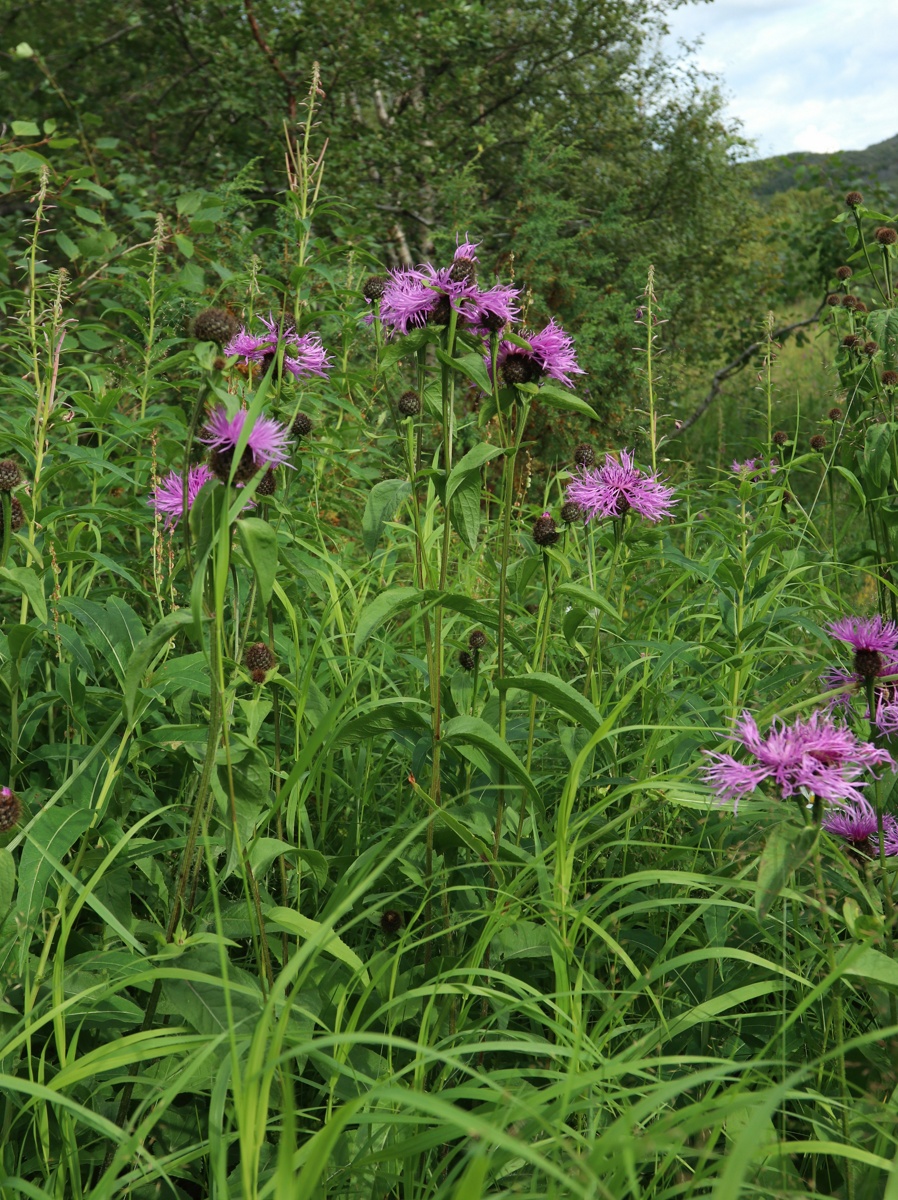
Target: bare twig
272 58
733 368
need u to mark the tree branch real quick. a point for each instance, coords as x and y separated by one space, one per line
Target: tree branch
272 58
733 368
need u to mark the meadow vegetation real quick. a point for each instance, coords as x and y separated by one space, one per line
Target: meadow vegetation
427 771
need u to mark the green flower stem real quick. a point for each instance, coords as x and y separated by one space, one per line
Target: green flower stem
873 275
838 1008
6 510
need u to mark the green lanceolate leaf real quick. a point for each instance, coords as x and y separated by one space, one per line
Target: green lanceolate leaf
24 580
146 650
260 545
787 848
386 605
380 507
464 511
560 398
475 732
471 366
559 694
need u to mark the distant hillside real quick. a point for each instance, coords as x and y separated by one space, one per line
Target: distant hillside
876 165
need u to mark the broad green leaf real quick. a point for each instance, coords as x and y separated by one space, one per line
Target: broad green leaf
561 398
380 507
24 580
787 848
559 694
55 830
260 545
313 931
874 966
146 650
587 597
386 605
25 128
471 366
476 732
381 716
464 511
468 464
7 880
67 246
853 481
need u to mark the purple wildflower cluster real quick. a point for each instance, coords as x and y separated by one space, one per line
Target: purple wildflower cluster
818 758
304 354
168 498
875 645
755 468
618 486
413 297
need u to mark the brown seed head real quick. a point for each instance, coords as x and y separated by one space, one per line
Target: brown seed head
409 404
780 437
870 348
889 379
849 301
259 657
477 640
834 299
835 413
843 273
886 236
584 455
9 475
302 426
373 287
214 325
850 340
544 531
267 484
818 442
571 512
853 199
466 660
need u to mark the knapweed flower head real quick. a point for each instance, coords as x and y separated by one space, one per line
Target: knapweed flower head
265 447
617 486
414 296
551 355
754 468
168 498
857 824
813 757
874 640
490 311
304 354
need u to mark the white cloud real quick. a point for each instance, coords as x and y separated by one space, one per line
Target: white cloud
798 74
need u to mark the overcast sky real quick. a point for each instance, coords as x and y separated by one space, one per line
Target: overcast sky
801 74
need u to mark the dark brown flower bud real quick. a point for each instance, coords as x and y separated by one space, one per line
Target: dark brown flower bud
466 660
302 426
853 199
220 464
571 512
889 379
868 663
477 640
834 299
463 270
441 313
259 657
843 273
849 301
373 287
214 325
391 921
16 515
860 306
267 484
850 341
818 442
870 348
584 455
886 236
9 475
409 404
520 368
780 437
835 413
544 531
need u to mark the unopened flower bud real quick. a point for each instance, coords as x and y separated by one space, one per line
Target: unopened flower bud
818 442
853 199
544 531
886 236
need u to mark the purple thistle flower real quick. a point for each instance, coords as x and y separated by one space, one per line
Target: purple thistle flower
168 498
551 353
490 311
416 295
871 634
814 757
754 468
267 443
303 353
465 249
617 486
857 823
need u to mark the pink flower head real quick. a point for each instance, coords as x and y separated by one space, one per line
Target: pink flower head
551 354
754 468
618 486
303 353
168 498
418 295
465 249
814 757
267 443
857 823
489 312
871 634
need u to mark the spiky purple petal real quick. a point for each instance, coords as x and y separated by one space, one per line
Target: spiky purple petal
617 486
168 497
268 438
